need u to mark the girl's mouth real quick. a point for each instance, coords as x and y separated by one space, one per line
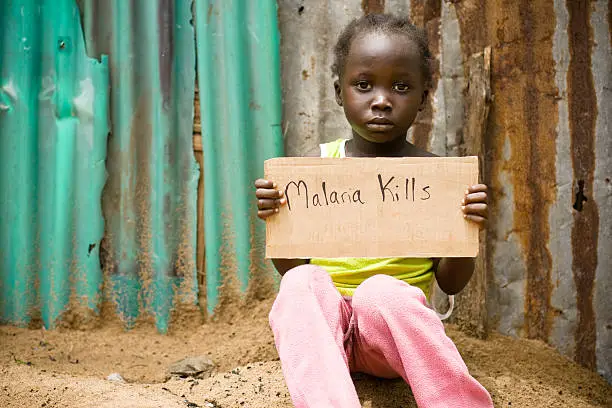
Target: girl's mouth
379 127
379 124
379 120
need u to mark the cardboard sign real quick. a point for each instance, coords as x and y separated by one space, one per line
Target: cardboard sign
372 207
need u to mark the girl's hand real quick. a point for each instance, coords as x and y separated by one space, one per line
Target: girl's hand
269 198
474 204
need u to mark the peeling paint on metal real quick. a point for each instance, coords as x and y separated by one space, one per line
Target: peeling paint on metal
149 201
561 219
601 66
582 119
53 134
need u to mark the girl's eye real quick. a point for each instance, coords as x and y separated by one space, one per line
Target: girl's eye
363 85
401 87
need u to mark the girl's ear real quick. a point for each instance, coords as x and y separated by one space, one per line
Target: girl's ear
424 100
338 92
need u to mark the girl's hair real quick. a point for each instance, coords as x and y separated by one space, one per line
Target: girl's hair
383 23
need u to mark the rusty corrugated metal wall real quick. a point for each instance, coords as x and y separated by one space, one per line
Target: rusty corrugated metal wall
547 146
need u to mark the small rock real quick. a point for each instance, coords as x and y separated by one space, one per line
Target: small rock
197 367
115 377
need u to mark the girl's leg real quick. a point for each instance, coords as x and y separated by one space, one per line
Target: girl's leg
395 329
309 319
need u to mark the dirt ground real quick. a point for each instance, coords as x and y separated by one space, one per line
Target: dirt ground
68 368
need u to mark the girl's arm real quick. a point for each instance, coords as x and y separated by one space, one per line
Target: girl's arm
453 274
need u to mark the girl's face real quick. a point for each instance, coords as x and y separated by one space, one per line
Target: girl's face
382 86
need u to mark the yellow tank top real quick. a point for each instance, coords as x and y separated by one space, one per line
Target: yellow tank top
348 273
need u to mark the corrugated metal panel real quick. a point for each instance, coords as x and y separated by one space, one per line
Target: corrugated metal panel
308 34
53 132
150 198
601 66
547 146
239 82
54 141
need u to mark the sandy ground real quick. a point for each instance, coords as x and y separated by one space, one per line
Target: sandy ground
68 368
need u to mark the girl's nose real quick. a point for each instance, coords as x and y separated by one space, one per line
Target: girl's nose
381 102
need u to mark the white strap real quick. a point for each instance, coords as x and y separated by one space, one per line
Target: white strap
451 306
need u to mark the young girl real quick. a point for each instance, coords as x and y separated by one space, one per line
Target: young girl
336 316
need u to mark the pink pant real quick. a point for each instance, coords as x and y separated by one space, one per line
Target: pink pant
386 330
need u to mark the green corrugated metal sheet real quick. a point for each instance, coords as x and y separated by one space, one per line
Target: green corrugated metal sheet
239 79
53 137
53 131
66 109
150 198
